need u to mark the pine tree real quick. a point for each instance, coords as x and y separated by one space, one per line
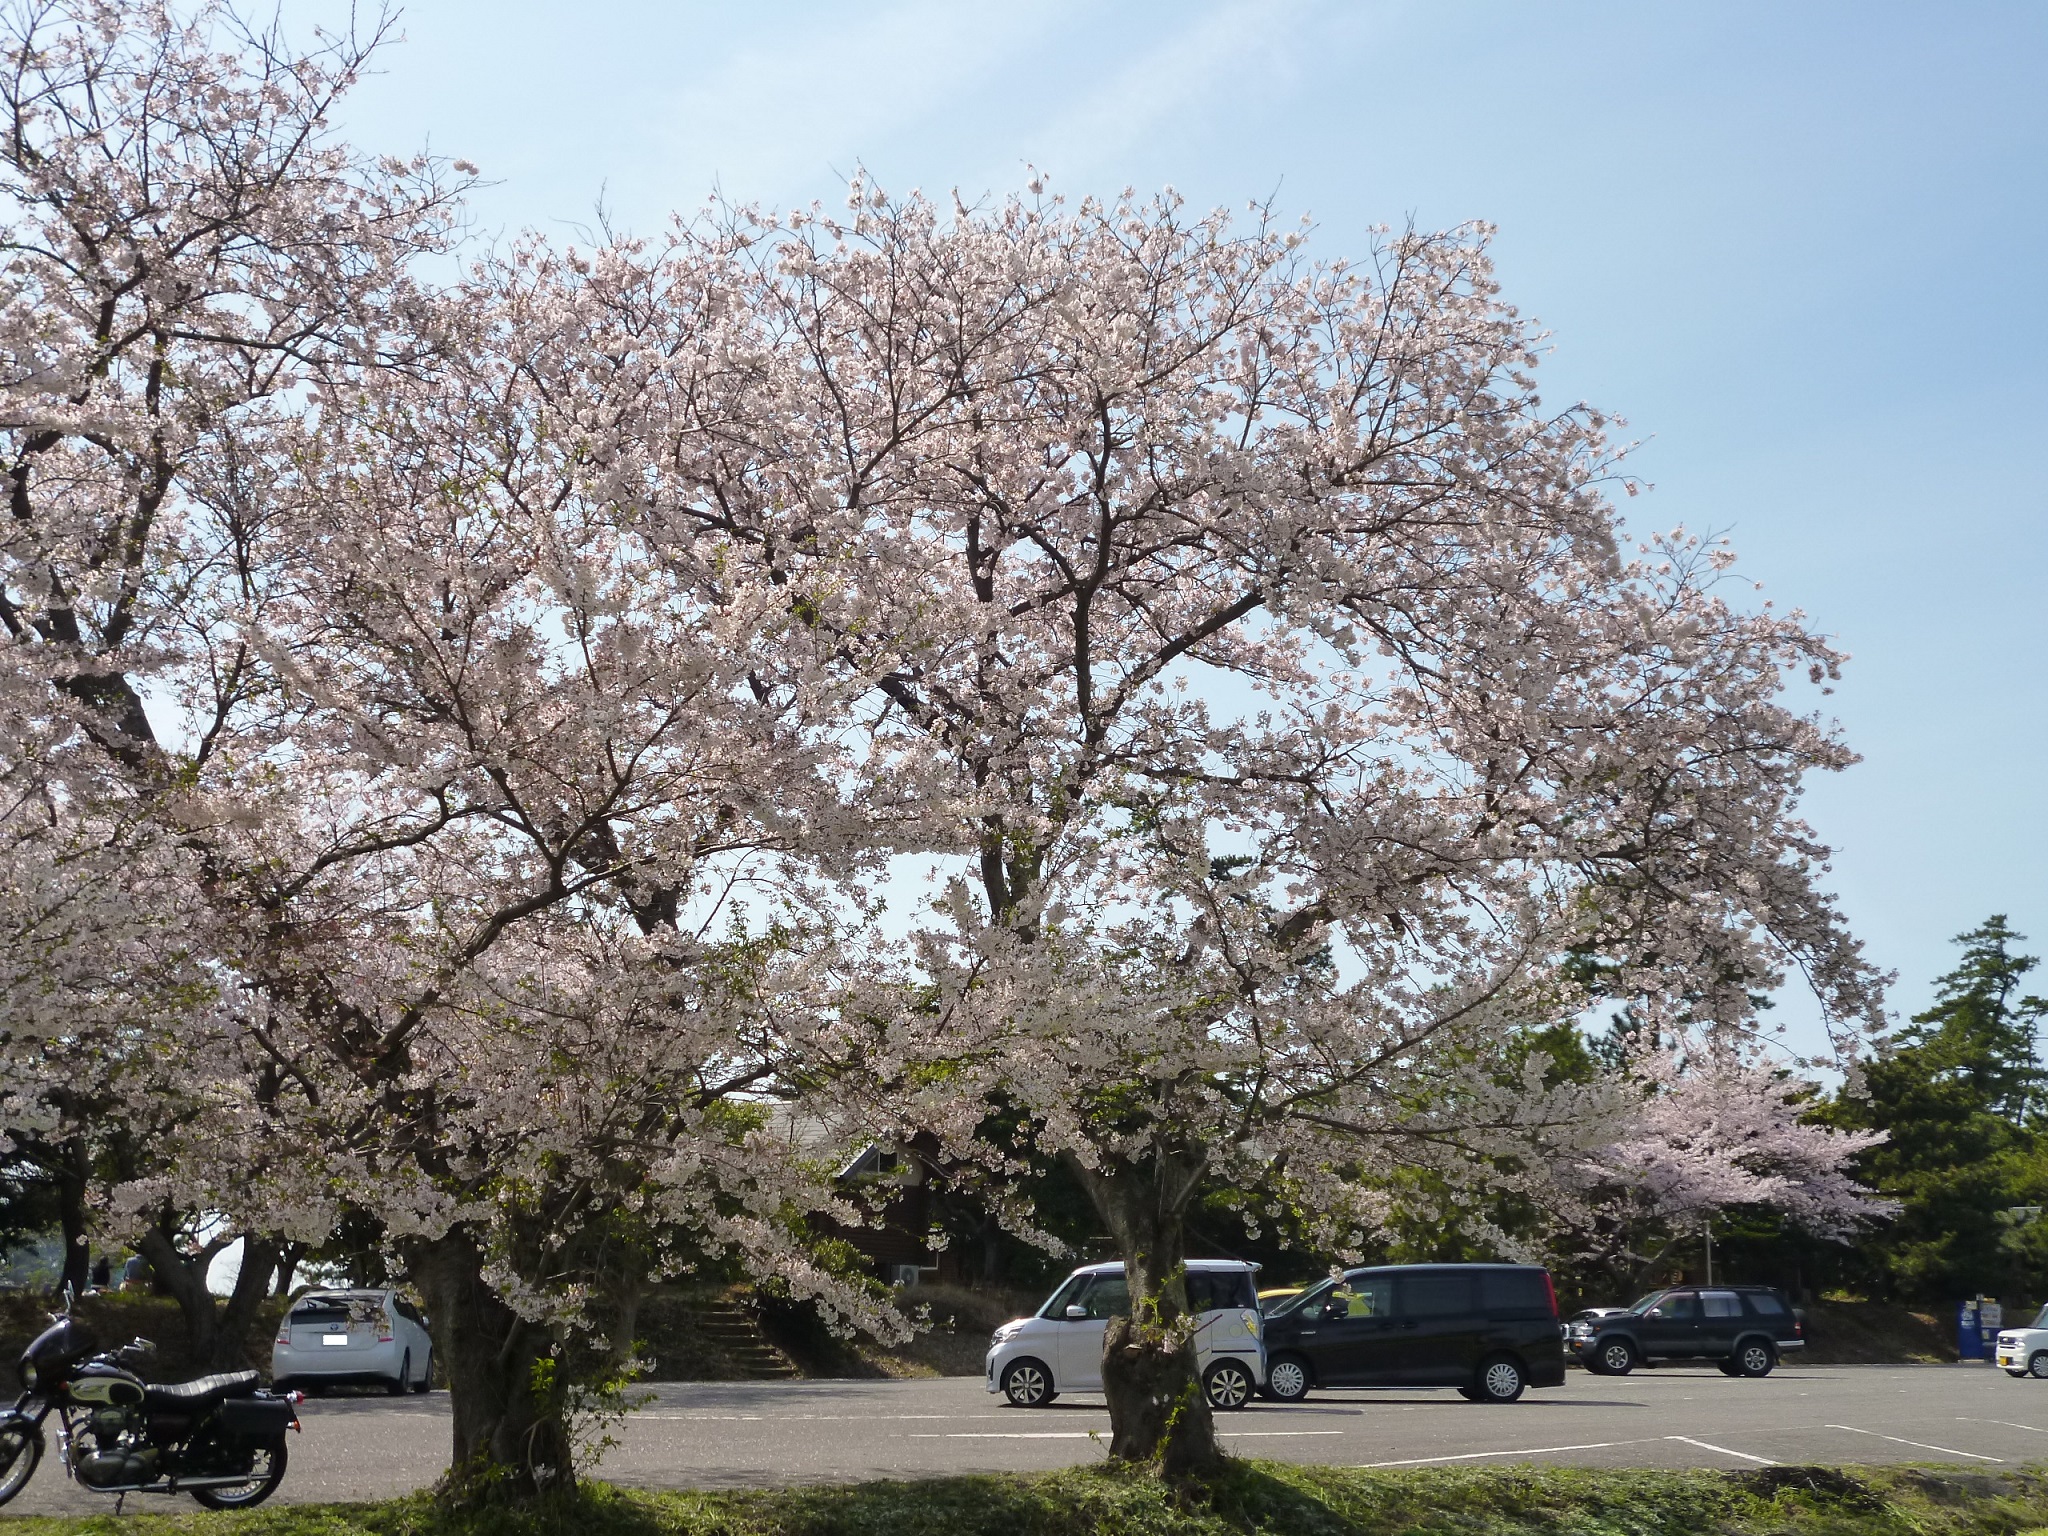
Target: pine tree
1962 1095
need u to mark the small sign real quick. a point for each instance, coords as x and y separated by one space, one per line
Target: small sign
329 1339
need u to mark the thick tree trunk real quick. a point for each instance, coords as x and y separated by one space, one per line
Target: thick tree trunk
183 1275
252 1288
1158 1414
510 1438
73 1173
287 1266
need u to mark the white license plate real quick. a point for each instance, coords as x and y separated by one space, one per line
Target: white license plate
334 1341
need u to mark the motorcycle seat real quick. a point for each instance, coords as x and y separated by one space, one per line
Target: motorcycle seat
201 1392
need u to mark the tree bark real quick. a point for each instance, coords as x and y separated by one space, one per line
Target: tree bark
287 1266
252 1288
73 1172
510 1439
1158 1413
184 1276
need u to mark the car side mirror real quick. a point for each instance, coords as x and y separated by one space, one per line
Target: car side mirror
1076 1313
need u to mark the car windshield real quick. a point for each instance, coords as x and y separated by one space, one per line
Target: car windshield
1056 1303
1286 1304
1638 1308
2042 1320
335 1309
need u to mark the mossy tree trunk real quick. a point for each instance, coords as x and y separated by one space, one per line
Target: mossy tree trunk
510 1436
1158 1413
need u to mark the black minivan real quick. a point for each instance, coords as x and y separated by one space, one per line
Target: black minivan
1487 1329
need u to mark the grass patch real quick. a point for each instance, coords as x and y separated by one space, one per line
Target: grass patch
1251 1499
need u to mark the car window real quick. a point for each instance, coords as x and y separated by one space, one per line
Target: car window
1212 1290
1679 1307
1308 1303
2042 1320
1370 1296
1056 1305
1437 1294
1766 1304
1107 1296
1720 1304
1513 1293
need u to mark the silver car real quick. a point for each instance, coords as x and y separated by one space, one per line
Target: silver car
333 1337
1034 1359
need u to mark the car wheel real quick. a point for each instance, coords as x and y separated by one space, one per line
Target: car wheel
1228 1385
426 1381
1753 1357
2037 1365
1500 1380
1028 1384
399 1384
1617 1357
1287 1379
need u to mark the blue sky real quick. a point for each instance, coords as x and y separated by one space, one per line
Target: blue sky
1799 247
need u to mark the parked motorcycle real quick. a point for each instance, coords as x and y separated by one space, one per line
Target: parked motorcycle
219 1438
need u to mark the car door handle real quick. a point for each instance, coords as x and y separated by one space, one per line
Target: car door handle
1405 1323
1306 1332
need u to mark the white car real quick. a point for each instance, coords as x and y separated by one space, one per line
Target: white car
332 1337
1059 1348
2024 1351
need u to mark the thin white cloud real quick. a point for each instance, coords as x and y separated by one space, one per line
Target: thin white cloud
767 118
1224 51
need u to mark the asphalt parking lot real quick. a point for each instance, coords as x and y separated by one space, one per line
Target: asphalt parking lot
746 1434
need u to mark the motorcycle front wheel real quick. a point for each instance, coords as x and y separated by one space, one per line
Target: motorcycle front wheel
266 1471
21 1447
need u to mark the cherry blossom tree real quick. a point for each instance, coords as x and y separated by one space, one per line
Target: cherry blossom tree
1717 1128
451 783
1269 683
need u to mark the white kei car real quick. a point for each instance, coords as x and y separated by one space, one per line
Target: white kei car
332 1337
2024 1351
1059 1348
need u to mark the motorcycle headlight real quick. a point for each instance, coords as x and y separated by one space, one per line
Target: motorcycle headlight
29 1375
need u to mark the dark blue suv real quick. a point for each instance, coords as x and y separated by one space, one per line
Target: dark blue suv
1741 1328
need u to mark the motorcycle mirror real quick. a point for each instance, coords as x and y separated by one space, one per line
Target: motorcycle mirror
70 1295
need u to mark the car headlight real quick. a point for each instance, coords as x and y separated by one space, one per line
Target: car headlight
1007 1332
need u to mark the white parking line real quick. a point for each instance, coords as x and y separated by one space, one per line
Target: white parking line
1534 1450
834 1418
1082 1434
1762 1461
1964 1418
1918 1444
